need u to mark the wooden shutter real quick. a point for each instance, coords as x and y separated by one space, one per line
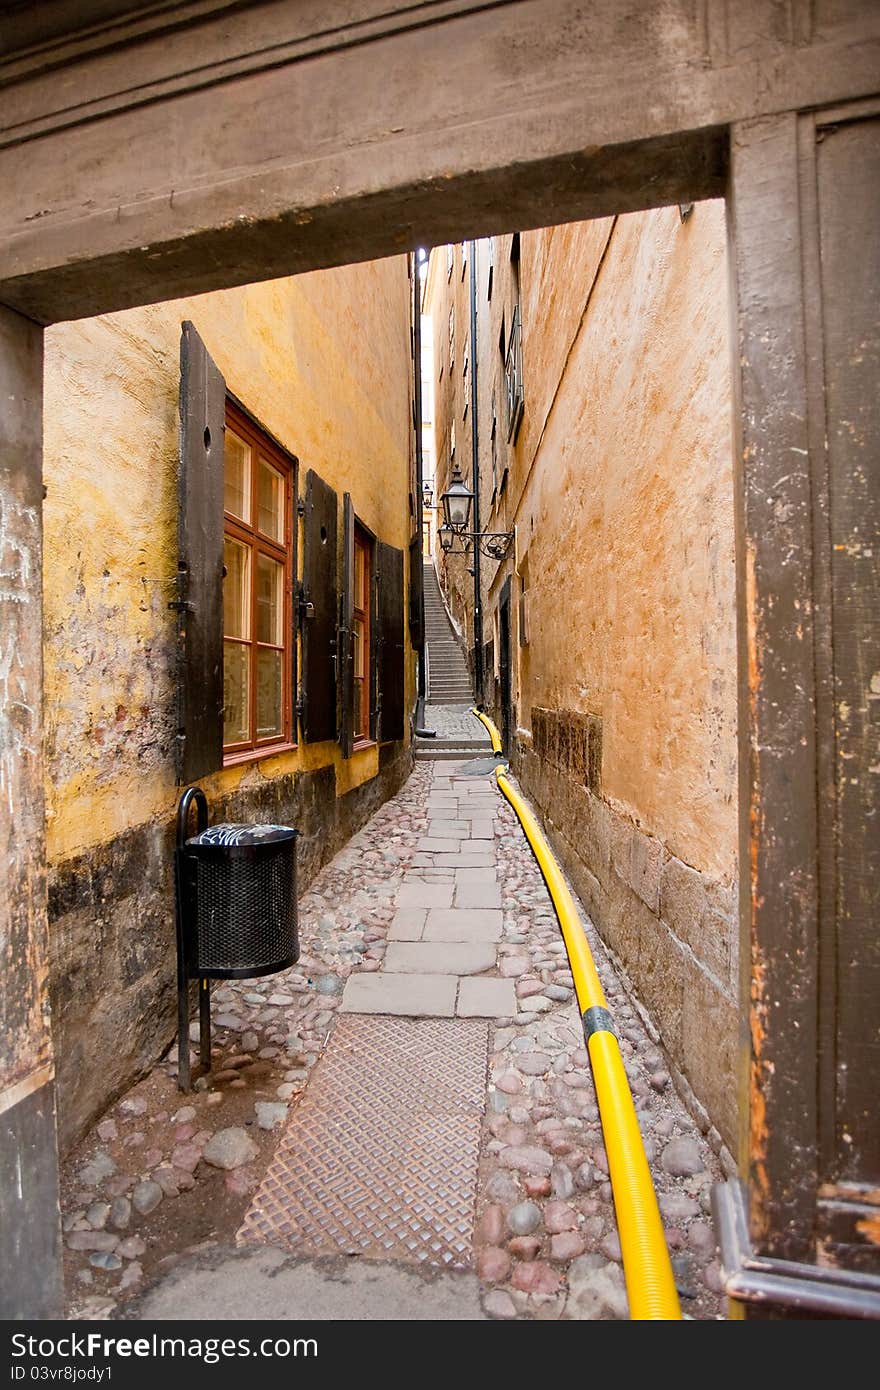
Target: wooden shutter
200 561
346 649
320 598
389 624
416 592
845 245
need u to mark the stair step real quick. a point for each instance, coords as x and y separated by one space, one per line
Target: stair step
467 743
425 754
449 681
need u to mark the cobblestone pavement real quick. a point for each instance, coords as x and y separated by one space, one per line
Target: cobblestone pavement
162 1175
456 721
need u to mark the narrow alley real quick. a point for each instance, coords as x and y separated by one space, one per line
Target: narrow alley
461 1137
439 499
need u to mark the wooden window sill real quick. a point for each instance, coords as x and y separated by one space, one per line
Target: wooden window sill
256 755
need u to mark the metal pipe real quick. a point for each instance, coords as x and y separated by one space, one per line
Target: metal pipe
422 689
475 468
650 1284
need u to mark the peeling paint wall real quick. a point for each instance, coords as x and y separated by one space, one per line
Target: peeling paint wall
323 362
619 488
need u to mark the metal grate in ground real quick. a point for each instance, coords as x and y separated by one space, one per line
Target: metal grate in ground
380 1156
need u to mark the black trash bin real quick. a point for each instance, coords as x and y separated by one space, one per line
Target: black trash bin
236 911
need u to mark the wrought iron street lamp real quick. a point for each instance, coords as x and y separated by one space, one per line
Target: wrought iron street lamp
457 501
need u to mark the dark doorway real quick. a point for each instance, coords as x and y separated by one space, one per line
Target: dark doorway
504 664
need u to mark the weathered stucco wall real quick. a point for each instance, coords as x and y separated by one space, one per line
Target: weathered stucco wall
620 489
445 291
323 362
628 520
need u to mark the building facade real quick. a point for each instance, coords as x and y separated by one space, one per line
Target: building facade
604 449
230 615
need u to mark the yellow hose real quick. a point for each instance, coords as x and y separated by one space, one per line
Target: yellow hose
650 1284
493 732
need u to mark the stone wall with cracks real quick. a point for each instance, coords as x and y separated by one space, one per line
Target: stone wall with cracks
672 928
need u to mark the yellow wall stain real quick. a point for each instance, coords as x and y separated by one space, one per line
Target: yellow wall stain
323 362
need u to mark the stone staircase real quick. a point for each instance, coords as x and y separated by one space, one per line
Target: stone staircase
448 680
450 698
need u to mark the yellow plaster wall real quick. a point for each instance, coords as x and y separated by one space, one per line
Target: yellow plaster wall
625 503
620 488
323 361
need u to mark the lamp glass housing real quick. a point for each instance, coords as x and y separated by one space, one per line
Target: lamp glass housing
457 501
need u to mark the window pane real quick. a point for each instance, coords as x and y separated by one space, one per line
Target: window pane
270 501
237 476
270 600
360 728
236 588
236 693
269 685
360 576
357 633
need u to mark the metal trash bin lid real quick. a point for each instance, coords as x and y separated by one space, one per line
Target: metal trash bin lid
229 834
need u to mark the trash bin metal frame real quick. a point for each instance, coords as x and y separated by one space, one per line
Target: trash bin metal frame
204 854
205 882
193 795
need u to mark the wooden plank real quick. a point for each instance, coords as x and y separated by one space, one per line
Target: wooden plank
346 643
390 656
30 1285
416 592
24 1032
200 561
619 106
848 194
777 716
320 595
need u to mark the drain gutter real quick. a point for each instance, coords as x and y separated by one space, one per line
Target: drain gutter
650 1283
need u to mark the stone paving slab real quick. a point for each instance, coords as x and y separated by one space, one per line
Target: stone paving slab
486 999
430 845
484 875
408 996
430 895
455 721
407 924
440 957
540 1103
451 924
464 861
471 895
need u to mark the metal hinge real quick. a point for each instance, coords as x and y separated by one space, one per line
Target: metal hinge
181 604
